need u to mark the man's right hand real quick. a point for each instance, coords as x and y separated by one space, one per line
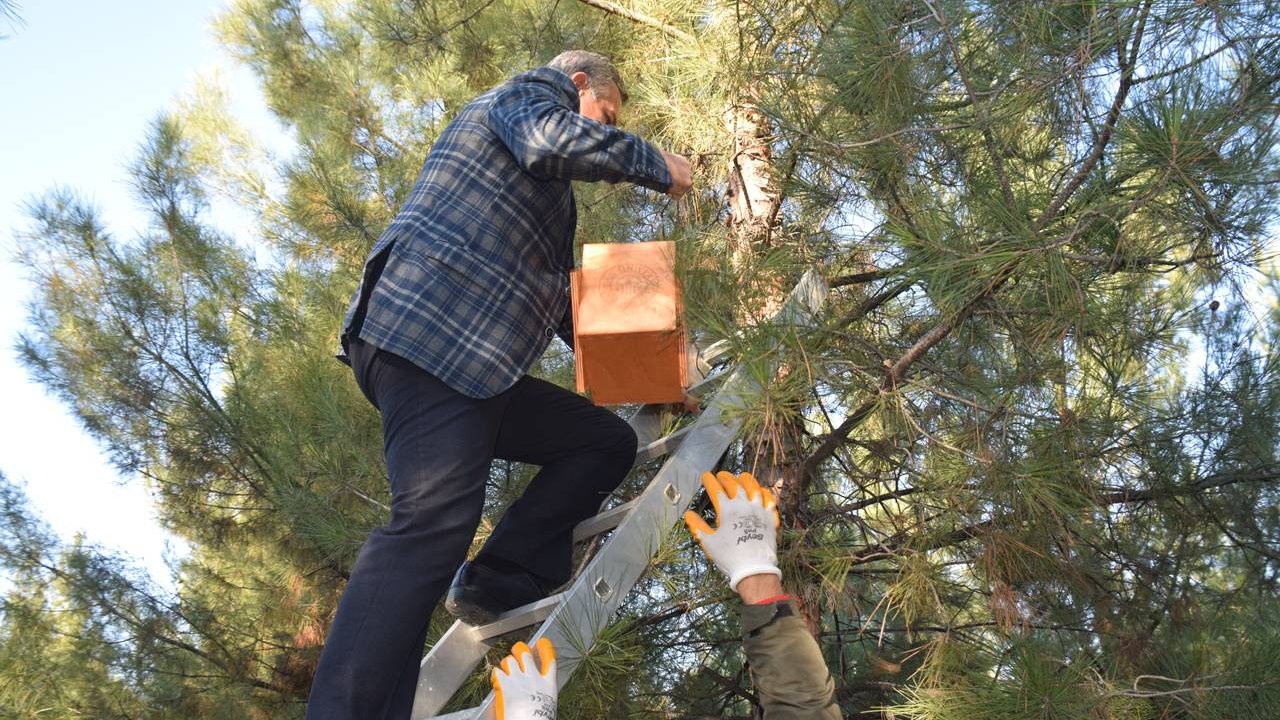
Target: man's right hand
681 174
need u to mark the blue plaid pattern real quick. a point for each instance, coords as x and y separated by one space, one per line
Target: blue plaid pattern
476 277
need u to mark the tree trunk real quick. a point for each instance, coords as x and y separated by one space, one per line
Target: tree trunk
774 454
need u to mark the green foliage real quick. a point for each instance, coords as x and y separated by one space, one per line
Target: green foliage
1030 448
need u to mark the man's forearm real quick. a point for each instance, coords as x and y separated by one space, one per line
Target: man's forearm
548 139
788 669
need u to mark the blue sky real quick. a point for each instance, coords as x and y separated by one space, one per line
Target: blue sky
80 82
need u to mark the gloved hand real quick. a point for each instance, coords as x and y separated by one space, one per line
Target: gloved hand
520 691
745 540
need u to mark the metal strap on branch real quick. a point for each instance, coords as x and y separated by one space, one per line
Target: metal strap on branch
574 618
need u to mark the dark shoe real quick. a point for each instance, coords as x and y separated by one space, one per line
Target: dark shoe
479 594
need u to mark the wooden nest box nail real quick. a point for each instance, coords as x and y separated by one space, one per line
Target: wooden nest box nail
628 324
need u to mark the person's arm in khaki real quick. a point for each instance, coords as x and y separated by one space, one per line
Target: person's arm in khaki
790 675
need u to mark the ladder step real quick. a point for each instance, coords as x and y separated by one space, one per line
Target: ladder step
443 670
603 522
714 351
647 423
463 646
521 617
701 387
662 446
468 714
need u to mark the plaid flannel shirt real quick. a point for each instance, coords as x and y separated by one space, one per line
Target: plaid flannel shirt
475 282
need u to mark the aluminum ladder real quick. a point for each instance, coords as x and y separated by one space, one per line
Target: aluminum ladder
573 618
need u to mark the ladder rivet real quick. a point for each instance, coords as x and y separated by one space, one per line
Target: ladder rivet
602 588
672 494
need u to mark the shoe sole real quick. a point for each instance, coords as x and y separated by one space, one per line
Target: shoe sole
468 612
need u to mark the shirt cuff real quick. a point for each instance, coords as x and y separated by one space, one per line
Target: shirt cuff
654 168
756 617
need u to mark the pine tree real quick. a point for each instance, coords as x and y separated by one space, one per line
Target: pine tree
1027 456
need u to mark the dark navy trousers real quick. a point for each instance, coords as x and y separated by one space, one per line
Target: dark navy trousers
439 445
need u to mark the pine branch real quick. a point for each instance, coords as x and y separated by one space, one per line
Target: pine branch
1108 128
868 502
997 161
148 628
466 19
1120 263
859 278
639 17
10 11
875 301
731 686
898 542
1266 473
1198 690
896 371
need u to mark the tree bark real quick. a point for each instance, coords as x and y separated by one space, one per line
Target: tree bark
774 454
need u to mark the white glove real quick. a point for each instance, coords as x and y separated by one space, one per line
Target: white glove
520 691
745 540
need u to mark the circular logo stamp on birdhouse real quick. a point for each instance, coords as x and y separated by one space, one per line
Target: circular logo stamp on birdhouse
630 283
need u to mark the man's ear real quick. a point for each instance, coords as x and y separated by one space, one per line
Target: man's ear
580 80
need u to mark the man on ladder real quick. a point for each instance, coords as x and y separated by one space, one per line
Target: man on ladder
459 297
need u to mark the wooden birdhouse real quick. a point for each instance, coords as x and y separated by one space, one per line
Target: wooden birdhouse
628 324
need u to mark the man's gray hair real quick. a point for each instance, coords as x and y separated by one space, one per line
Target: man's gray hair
597 67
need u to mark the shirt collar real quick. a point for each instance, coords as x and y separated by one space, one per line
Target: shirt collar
555 78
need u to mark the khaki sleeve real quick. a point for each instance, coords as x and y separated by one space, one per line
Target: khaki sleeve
790 676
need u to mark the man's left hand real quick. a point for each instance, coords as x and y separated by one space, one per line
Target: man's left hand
521 691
